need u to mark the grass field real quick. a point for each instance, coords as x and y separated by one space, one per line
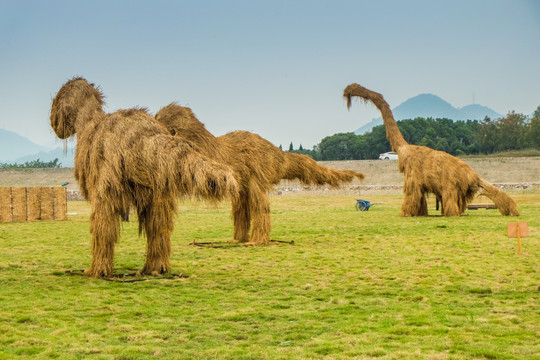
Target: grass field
353 285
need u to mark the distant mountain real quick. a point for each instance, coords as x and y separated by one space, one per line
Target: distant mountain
46 156
13 146
429 105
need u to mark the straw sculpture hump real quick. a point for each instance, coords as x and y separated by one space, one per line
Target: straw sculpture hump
427 171
257 165
125 159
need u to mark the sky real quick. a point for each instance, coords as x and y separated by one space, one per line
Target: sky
276 68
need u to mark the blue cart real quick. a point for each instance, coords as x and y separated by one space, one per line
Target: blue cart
363 205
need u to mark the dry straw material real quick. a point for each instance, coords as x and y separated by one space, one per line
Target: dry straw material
125 159
33 196
32 204
258 165
18 204
59 203
5 204
47 210
426 171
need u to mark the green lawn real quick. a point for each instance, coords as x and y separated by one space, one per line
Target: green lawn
353 285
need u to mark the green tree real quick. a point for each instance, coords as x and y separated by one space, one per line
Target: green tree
486 136
338 147
536 113
377 143
533 136
512 131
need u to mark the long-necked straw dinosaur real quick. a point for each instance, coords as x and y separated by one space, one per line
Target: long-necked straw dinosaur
426 170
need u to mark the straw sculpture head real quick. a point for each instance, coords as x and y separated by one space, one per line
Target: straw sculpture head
258 165
426 171
125 159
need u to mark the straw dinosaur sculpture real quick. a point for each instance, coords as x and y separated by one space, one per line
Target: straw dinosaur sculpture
426 170
258 165
125 159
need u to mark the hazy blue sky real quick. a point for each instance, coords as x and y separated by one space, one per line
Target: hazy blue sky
277 68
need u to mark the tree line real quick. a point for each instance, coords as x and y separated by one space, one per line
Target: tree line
32 164
513 132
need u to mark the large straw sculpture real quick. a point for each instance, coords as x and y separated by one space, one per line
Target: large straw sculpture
258 165
426 170
125 158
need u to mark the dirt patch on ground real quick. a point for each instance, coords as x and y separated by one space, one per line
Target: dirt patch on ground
515 174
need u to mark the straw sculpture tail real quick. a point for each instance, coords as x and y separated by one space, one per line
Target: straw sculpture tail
258 166
426 171
125 159
305 169
503 202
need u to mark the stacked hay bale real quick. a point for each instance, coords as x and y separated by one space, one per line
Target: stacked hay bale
33 200
59 203
18 204
33 203
5 204
46 206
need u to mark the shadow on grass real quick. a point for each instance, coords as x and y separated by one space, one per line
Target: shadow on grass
232 244
125 275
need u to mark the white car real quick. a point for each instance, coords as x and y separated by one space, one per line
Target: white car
388 156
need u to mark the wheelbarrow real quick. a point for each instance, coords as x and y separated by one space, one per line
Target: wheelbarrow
364 205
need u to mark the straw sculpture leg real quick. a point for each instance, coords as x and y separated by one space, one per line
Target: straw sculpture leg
261 224
241 215
427 171
258 165
414 202
105 229
126 159
158 226
251 210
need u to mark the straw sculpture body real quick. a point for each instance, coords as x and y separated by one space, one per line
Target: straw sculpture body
426 171
125 159
258 165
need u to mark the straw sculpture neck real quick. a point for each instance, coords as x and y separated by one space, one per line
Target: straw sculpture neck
74 106
393 134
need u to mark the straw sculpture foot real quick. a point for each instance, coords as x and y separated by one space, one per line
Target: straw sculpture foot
427 171
125 159
97 272
258 165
